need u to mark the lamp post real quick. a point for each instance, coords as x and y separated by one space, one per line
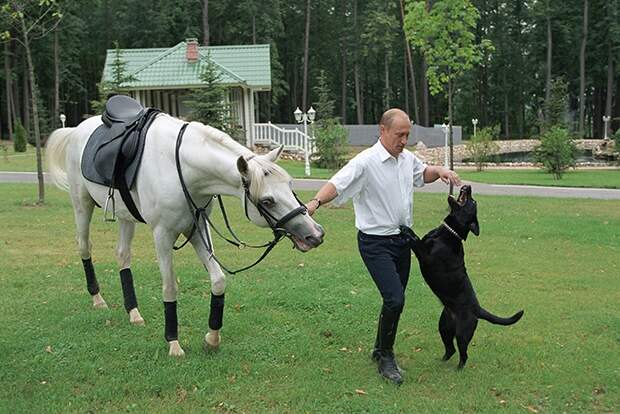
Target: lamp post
63 118
475 122
446 132
606 120
305 118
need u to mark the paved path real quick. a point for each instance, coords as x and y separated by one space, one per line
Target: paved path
437 187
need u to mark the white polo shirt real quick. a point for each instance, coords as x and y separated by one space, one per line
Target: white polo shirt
381 187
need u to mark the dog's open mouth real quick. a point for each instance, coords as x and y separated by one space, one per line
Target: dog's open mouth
464 195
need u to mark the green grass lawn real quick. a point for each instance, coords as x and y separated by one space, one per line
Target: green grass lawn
607 178
298 328
19 161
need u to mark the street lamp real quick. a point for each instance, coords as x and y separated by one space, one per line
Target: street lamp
475 122
63 118
446 132
606 120
305 118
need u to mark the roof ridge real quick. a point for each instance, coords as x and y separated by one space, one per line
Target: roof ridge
157 58
222 67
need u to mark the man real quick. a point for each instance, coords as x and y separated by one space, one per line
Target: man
380 181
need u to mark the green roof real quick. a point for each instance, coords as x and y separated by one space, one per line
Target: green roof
168 68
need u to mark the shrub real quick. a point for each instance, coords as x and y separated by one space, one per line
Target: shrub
616 138
556 151
481 147
331 145
19 144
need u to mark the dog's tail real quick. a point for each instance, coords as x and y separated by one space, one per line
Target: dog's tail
488 316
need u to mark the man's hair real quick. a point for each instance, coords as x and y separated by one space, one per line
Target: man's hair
388 116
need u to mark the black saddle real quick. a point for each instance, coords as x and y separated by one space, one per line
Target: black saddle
113 152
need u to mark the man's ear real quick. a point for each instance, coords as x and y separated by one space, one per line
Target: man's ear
242 166
274 154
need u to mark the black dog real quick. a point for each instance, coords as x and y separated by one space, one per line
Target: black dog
441 258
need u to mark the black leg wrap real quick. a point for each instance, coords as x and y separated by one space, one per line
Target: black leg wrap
129 294
91 279
217 311
172 326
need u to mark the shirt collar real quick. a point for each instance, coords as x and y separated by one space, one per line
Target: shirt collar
384 155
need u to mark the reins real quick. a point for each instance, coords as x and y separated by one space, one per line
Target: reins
199 213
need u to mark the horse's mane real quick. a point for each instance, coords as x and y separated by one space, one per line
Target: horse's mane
257 175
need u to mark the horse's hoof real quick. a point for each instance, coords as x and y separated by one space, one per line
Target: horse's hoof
212 342
135 318
175 349
98 302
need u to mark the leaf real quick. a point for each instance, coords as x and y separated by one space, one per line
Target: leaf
360 392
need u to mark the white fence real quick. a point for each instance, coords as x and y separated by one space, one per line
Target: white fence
292 139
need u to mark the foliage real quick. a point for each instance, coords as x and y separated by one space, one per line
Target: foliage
20 137
330 136
616 138
481 146
556 151
209 104
556 107
445 37
115 87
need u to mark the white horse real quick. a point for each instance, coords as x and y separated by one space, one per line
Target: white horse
212 163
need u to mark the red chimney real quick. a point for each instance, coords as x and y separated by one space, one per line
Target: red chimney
191 52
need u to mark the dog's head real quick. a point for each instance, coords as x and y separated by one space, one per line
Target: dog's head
464 212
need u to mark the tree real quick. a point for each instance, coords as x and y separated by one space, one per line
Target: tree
119 78
20 142
582 70
330 135
556 152
209 103
556 106
31 20
481 146
445 36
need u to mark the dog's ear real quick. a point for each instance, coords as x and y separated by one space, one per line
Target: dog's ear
475 227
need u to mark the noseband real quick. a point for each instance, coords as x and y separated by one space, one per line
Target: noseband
199 213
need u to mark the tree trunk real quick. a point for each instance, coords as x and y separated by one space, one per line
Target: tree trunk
343 84
549 55
582 70
610 86
56 106
26 100
253 28
7 82
306 53
205 23
387 93
406 89
356 76
506 117
35 113
414 89
451 142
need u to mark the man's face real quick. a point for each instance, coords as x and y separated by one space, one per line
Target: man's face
394 137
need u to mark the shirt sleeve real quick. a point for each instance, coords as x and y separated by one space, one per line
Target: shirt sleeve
349 181
418 172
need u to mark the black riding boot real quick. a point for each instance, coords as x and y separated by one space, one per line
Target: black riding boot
383 353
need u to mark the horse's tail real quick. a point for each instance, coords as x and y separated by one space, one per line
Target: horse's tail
56 156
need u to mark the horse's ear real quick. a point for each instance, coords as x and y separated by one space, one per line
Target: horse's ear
242 166
274 154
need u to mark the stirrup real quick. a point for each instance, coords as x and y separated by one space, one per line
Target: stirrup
105 207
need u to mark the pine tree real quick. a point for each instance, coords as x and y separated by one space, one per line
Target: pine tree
330 135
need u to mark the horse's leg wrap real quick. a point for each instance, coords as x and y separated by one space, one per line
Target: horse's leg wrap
91 279
217 311
129 294
172 327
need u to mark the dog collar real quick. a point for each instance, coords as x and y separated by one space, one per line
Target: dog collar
451 230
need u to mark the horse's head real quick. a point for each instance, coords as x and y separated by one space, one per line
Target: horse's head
270 202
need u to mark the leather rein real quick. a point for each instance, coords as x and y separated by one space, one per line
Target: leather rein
199 214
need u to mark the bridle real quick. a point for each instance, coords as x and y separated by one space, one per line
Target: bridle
200 214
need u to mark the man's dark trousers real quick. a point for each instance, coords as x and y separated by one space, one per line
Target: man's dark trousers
388 260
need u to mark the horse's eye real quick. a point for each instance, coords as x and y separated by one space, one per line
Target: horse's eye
267 202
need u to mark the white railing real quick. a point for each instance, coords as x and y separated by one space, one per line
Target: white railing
292 139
